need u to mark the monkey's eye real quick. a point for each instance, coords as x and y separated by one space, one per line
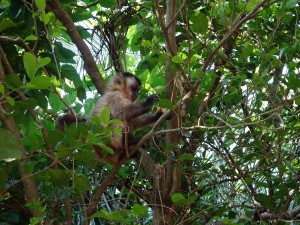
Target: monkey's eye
135 89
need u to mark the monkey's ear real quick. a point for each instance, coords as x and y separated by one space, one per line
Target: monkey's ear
118 80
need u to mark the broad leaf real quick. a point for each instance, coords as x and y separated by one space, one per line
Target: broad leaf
43 62
59 177
30 64
10 146
41 4
39 82
200 23
82 183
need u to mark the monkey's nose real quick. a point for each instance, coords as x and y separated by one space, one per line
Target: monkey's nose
134 97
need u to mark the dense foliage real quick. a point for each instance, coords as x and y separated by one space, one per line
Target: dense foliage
227 71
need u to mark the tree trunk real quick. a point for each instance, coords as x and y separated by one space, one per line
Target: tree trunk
167 177
30 188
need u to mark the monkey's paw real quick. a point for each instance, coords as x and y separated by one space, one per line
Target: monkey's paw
152 98
161 111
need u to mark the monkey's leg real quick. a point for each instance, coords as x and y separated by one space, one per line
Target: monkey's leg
129 140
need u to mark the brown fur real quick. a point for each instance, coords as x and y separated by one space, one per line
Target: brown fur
119 97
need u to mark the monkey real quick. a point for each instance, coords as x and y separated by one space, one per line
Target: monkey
120 98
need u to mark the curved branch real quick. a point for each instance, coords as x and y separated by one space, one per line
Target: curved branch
89 62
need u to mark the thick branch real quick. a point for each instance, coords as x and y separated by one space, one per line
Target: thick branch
9 124
101 189
89 62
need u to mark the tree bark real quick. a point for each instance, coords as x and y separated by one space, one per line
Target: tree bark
167 177
7 121
89 62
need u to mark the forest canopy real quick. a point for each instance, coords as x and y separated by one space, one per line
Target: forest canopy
226 151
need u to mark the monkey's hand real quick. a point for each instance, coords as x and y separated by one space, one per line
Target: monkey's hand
161 111
152 98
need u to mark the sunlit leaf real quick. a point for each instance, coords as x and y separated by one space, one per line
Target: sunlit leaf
105 115
10 100
30 64
139 209
1 88
43 62
177 59
39 82
251 4
31 38
177 197
41 4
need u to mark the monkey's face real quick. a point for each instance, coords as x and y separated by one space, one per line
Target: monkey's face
133 89
126 83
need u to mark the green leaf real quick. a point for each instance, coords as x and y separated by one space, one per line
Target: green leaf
4 4
82 183
55 102
291 3
30 64
10 146
5 24
177 197
28 104
1 88
40 96
177 59
71 73
113 216
251 4
160 89
40 82
10 100
265 200
14 80
297 101
105 116
186 157
41 4
117 216
165 103
45 18
31 38
163 57
59 177
43 62
100 214
200 23
64 55
139 209
107 3
147 43
81 93
104 147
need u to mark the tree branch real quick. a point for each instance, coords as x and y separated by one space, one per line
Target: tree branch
8 123
89 62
